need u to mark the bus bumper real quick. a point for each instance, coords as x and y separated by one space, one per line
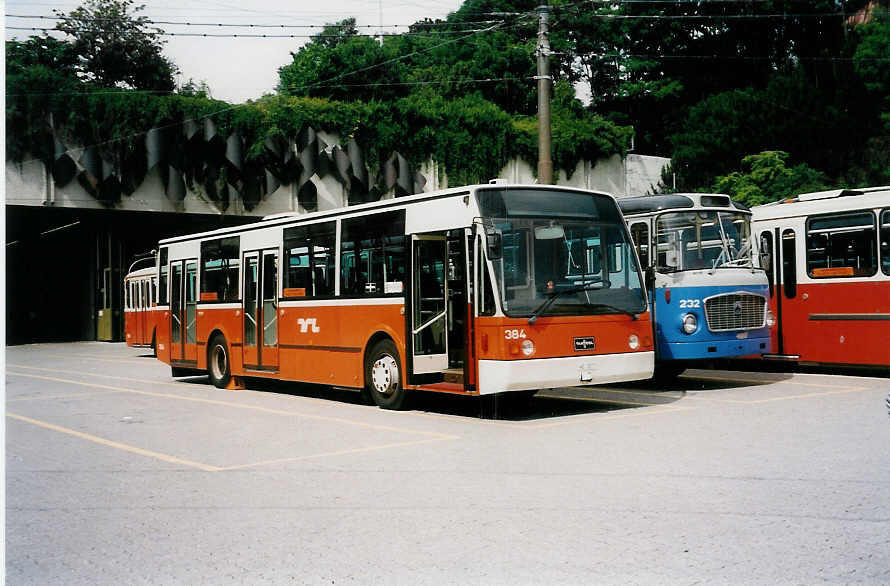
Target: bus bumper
715 349
496 376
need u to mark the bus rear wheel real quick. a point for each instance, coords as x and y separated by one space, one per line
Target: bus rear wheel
219 367
383 376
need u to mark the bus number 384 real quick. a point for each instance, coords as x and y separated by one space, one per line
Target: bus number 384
514 334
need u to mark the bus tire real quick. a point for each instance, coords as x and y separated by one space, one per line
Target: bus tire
219 366
383 376
154 344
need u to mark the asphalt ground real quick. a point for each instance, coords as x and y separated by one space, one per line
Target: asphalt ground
118 474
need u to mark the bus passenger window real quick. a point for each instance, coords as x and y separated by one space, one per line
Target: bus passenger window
766 258
789 264
372 255
309 260
220 263
639 232
885 242
841 246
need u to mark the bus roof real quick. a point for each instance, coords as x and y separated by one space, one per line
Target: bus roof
291 217
824 202
145 272
648 204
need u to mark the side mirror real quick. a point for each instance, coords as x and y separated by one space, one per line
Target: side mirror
495 246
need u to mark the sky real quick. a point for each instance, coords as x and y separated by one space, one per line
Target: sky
238 69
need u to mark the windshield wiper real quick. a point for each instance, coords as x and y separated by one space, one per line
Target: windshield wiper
632 314
555 294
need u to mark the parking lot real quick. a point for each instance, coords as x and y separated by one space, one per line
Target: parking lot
118 474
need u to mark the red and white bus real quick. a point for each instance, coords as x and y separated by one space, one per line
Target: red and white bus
827 256
475 290
140 303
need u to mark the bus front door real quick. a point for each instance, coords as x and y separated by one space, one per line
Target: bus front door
183 312
429 310
260 349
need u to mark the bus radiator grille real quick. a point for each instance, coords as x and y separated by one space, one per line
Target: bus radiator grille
735 311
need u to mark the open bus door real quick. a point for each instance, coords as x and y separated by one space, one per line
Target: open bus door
183 311
429 310
260 349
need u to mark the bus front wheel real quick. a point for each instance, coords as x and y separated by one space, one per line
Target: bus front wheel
219 368
383 376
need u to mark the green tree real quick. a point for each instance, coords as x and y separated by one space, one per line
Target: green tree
117 47
766 177
340 64
872 62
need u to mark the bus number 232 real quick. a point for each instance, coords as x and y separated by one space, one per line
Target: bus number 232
690 303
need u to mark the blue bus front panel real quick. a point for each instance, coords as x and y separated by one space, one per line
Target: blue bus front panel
731 318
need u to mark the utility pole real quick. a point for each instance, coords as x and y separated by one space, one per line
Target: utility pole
545 81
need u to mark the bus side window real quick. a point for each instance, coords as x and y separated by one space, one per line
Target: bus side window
766 258
789 264
220 265
372 255
639 232
841 246
162 282
885 241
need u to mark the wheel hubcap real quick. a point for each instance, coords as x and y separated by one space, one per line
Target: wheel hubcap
385 375
218 362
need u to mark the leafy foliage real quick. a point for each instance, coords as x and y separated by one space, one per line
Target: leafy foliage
766 177
117 48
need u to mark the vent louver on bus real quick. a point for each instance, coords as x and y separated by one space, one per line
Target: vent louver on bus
735 311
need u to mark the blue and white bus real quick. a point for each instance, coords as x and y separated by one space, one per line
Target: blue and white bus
707 290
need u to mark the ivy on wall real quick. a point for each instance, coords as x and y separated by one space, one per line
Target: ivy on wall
242 150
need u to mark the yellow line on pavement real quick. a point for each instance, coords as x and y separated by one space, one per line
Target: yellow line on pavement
657 410
90 357
790 381
54 397
239 406
180 385
809 395
112 444
338 453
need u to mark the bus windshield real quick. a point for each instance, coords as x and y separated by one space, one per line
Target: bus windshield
569 250
707 239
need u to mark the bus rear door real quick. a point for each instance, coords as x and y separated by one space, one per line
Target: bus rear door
260 349
183 311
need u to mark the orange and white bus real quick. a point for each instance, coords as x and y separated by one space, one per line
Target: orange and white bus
140 301
827 256
474 290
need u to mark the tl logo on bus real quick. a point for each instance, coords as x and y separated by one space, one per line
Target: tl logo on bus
306 323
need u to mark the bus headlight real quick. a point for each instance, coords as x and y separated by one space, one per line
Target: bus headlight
690 323
633 341
770 318
528 347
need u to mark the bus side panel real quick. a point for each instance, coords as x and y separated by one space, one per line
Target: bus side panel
163 325
325 344
226 320
825 322
130 328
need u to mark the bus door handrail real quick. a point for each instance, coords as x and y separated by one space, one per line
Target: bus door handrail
430 322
